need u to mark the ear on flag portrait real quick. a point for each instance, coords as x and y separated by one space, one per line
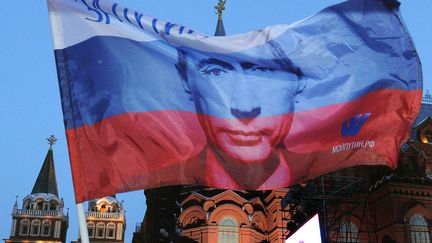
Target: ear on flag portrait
149 103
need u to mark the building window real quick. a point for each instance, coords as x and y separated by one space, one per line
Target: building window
228 231
25 227
57 229
419 229
53 205
348 232
110 234
46 228
119 231
100 230
39 205
26 204
35 227
91 229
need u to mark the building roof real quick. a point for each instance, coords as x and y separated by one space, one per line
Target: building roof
424 113
46 181
425 109
220 30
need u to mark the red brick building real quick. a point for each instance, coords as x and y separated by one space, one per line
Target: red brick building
214 214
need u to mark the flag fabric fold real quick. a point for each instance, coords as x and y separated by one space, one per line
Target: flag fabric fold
150 103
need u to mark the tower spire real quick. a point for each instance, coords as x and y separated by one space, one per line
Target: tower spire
51 141
46 181
220 30
16 203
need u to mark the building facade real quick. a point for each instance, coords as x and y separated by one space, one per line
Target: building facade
41 217
214 215
106 221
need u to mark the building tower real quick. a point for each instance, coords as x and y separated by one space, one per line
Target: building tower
106 221
41 218
220 29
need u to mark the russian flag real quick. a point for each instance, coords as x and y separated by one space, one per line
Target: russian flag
149 103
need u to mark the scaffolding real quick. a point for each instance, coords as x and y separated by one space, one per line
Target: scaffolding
339 200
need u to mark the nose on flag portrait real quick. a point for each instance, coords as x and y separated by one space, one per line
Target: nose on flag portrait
149 103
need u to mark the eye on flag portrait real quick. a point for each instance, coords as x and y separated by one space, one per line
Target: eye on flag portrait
150 103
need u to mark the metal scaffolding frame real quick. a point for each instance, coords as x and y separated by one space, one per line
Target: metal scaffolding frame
336 199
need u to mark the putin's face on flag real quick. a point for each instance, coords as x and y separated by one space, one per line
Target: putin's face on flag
244 107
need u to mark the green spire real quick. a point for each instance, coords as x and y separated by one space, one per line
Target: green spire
220 30
46 181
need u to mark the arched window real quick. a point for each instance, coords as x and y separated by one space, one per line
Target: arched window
419 229
91 229
53 205
110 231
228 231
100 230
26 204
348 232
46 228
35 227
25 227
119 231
39 205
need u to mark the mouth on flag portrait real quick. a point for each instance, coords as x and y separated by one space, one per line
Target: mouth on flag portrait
149 103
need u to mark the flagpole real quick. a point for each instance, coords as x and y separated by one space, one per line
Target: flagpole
82 223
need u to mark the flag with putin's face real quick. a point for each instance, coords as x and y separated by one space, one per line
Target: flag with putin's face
149 103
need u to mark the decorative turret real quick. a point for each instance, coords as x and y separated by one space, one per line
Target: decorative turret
427 98
106 220
41 217
46 181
